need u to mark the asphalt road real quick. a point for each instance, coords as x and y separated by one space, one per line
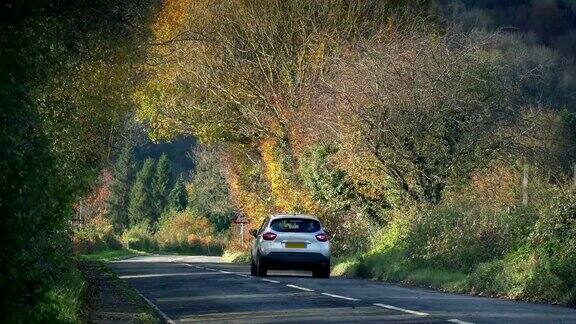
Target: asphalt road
204 289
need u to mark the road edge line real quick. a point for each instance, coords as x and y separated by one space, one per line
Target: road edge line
457 321
270 280
341 297
298 287
156 308
409 311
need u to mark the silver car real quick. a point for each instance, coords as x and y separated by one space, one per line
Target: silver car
290 242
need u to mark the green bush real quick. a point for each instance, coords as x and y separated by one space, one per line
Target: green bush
460 237
545 268
528 253
524 274
554 237
98 235
345 213
241 257
183 232
65 298
139 237
346 267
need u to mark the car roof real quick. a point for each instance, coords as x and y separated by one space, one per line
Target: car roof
277 216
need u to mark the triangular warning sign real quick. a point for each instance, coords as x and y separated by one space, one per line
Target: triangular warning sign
241 219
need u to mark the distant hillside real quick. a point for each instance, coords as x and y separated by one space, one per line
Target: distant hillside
178 151
551 22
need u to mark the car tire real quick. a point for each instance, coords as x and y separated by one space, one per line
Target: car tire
321 272
253 269
261 269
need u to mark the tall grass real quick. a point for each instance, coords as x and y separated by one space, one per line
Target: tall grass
527 253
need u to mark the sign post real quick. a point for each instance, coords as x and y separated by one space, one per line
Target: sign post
241 219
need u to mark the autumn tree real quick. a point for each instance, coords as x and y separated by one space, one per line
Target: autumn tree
430 108
243 67
244 63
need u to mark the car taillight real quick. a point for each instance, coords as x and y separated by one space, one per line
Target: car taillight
322 237
269 236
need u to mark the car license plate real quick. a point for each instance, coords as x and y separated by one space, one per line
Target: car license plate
295 245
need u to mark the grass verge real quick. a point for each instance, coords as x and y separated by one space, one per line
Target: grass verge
242 257
394 267
110 255
107 298
64 300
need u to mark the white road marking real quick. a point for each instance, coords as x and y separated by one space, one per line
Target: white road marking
401 309
165 275
161 313
298 287
240 274
191 265
341 297
222 271
211 269
457 321
270 280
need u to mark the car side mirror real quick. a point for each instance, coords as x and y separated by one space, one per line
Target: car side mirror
253 232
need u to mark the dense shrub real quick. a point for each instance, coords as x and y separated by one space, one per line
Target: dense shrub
347 215
183 232
528 273
544 268
349 233
460 237
524 253
388 259
139 237
97 235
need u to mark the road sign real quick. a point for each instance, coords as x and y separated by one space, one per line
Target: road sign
241 219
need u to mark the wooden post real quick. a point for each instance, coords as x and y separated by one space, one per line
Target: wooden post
525 185
574 175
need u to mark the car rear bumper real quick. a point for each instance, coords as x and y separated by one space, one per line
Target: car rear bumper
294 260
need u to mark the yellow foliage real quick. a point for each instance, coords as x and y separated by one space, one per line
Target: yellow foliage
248 202
362 167
183 227
287 196
496 186
171 18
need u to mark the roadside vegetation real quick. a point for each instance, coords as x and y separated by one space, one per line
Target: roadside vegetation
107 298
150 210
110 255
66 67
436 145
437 148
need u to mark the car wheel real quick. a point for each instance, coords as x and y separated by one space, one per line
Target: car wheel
253 270
321 272
261 269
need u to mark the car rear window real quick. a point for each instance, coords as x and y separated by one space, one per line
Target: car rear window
300 225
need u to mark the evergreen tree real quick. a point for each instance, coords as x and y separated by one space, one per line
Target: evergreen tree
141 207
178 199
117 203
161 184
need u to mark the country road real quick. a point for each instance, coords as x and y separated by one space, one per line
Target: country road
205 289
